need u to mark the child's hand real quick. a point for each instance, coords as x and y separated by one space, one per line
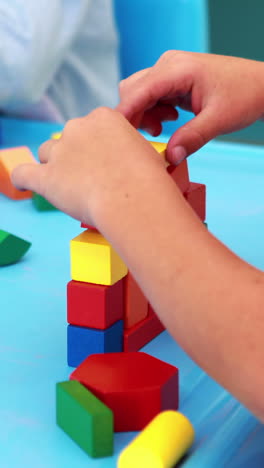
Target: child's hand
225 94
99 158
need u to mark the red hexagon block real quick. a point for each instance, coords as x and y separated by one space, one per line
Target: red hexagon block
135 386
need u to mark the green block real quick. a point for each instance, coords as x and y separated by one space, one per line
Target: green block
87 420
41 204
12 248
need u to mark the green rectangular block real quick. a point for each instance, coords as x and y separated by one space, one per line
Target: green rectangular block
41 204
87 420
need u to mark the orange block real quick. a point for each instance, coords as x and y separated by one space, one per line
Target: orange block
180 175
9 159
136 305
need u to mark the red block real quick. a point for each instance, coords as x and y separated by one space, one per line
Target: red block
196 196
93 305
180 175
88 226
135 386
143 332
136 304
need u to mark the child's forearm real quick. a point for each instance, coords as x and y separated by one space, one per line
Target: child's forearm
209 299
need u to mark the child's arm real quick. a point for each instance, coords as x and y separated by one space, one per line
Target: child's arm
35 37
104 173
225 94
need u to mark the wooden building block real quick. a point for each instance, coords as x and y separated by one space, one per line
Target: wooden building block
136 304
161 444
94 305
82 342
41 204
88 226
180 175
143 332
196 196
12 248
9 159
84 418
160 148
56 135
135 386
94 260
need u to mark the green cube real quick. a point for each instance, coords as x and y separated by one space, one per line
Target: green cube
87 420
12 248
41 204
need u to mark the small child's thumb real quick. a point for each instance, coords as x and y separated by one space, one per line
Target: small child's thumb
192 136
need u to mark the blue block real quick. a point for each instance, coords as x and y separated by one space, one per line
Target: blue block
82 342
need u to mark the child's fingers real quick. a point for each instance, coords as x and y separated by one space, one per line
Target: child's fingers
45 150
193 135
132 79
153 118
29 176
146 92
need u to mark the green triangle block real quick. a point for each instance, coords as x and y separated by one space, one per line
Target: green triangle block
88 421
12 248
41 204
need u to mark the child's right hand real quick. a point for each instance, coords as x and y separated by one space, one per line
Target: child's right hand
224 93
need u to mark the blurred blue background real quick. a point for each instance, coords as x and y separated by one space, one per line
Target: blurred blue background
150 27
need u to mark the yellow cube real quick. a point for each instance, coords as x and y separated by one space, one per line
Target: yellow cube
56 136
93 260
161 148
161 444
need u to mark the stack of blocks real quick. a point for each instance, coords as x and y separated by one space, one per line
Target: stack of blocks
111 389
95 298
106 309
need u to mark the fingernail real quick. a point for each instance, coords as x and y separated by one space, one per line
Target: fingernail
178 154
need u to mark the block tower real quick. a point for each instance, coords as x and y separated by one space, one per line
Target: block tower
106 309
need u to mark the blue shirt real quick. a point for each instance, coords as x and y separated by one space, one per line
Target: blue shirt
58 58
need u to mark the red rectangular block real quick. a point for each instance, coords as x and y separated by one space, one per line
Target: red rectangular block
180 175
94 305
143 332
88 226
196 197
136 304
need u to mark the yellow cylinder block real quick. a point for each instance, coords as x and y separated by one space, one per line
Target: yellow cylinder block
161 444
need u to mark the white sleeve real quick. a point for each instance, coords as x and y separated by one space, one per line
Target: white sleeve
35 35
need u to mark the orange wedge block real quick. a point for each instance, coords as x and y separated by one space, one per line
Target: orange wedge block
9 159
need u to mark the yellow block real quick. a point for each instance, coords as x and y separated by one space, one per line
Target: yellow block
93 260
161 148
56 136
161 444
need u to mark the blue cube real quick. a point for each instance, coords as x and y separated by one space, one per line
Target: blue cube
82 342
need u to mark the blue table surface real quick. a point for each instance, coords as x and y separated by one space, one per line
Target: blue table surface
33 320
